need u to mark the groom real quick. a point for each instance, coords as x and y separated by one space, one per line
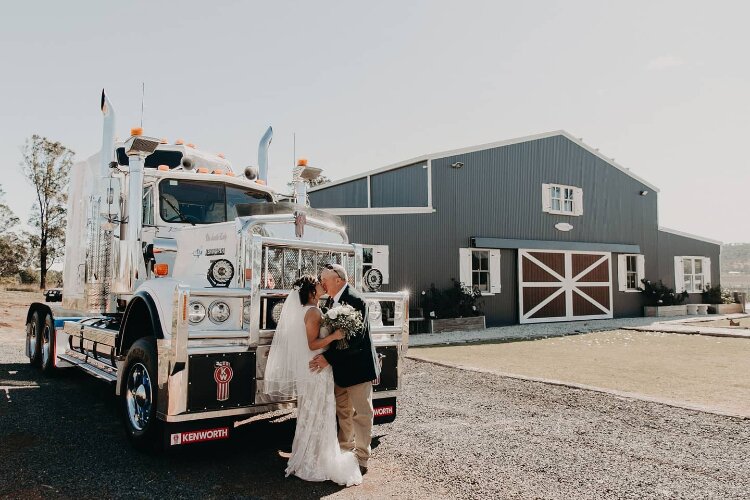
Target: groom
354 369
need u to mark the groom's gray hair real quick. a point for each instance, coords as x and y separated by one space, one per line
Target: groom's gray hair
338 269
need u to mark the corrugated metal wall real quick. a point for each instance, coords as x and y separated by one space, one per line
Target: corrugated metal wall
403 187
673 245
498 193
349 195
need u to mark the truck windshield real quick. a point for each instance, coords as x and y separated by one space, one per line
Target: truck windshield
205 202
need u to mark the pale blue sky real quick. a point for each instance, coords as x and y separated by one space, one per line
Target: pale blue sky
660 86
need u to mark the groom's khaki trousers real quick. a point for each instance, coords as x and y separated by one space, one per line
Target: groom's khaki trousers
354 410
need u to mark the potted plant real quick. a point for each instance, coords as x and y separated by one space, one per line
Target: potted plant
453 309
662 300
720 300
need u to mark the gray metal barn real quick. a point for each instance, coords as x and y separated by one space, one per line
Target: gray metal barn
547 227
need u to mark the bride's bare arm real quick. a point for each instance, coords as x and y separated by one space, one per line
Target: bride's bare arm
312 325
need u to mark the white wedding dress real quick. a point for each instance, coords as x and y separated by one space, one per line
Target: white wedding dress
316 455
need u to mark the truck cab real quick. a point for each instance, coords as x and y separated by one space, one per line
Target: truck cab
176 271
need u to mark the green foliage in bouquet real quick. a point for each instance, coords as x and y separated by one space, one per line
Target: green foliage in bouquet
456 301
658 294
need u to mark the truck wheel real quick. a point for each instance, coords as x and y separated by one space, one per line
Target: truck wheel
139 393
47 339
33 344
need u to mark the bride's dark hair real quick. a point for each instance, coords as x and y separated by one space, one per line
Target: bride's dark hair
306 285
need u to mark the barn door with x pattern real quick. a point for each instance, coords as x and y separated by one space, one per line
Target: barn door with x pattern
558 285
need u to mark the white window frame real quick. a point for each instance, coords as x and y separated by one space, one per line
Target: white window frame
467 270
679 273
379 261
571 196
623 271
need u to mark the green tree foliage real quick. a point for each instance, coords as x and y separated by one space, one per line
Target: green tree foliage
46 164
7 218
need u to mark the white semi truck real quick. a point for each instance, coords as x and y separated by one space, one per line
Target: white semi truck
176 268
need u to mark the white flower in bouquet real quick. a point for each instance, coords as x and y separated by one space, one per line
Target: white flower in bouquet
346 318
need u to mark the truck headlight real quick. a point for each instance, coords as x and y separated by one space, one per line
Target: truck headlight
218 311
196 313
376 312
247 312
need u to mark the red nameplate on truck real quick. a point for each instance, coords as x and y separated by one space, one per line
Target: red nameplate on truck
199 436
383 411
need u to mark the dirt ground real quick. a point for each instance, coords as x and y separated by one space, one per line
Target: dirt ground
692 370
724 323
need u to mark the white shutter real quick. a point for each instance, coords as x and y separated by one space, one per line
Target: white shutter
622 273
546 198
577 201
380 260
495 271
464 265
640 261
679 275
706 271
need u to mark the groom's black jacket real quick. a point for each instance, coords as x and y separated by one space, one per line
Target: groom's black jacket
354 364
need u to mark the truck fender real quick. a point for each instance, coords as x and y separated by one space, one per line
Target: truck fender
141 319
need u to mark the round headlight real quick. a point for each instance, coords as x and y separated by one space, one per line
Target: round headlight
220 273
196 312
276 311
375 311
247 312
218 312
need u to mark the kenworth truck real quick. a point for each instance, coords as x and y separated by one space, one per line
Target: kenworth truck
176 269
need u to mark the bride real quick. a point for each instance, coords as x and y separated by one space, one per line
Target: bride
299 337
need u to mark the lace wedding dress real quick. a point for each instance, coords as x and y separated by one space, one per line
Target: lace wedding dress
316 455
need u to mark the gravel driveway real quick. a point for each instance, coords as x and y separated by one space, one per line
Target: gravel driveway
458 434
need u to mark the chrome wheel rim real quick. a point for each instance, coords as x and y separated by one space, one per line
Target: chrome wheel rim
139 396
46 344
31 339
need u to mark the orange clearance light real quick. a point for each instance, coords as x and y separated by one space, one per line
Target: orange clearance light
221 155
260 181
179 142
163 140
136 131
201 170
219 171
161 269
302 162
164 168
190 145
184 308
248 274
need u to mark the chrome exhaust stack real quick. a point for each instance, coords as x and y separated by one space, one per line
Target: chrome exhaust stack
265 143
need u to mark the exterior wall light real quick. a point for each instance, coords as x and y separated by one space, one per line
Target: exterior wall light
458 164
643 193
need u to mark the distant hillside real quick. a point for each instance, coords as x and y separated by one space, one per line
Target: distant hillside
735 266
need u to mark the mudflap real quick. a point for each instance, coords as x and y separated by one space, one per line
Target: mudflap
183 434
384 410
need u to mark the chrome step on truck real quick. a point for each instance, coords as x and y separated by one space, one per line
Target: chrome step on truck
176 270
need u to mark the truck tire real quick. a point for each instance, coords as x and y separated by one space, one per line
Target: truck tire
47 341
33 339
139 396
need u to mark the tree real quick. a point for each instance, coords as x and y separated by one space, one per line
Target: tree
46 164
7 217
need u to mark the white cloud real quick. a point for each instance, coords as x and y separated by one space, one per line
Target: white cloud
664 62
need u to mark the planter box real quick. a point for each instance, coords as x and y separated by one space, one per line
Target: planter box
725 308
662 311
457 324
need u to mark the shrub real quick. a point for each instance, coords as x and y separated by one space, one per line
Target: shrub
456 301
658 294
717 295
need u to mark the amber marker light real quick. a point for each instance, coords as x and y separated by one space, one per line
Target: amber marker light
218 171
136 131
260 181
302 162
221 155
248 274
184 308
163 140
201 170
161 269
190 145
179 142
163 168
230 174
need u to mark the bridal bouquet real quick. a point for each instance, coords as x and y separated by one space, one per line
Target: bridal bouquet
343 317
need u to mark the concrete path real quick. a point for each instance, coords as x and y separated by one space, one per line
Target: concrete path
544 330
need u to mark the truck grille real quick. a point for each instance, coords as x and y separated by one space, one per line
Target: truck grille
282 266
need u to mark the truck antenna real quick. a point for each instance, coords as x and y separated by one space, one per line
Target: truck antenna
143 96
